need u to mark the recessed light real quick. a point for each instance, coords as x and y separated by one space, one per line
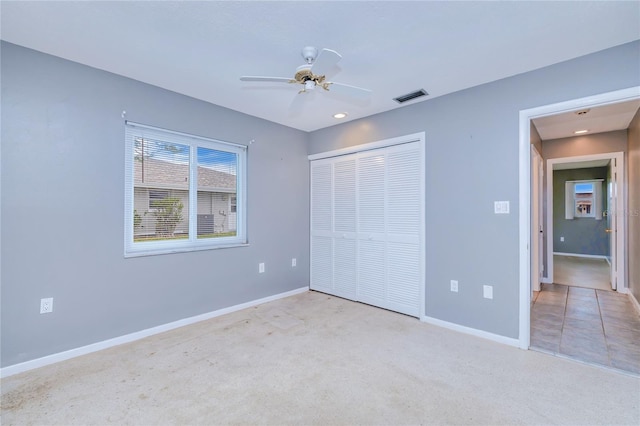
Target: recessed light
579 132
340 115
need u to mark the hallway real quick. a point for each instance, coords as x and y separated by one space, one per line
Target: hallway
595 326
582 271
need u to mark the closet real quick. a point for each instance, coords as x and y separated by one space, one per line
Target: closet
367 224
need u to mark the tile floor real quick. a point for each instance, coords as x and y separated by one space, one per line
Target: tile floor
582 272
596 326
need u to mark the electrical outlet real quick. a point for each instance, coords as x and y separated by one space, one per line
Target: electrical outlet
46 305
487 291
293 262
562 239
260 268
454 286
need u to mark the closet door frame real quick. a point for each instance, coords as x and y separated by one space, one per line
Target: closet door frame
415 137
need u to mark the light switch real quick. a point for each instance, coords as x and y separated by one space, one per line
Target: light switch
501 207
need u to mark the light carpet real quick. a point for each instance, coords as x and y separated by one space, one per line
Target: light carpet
318 359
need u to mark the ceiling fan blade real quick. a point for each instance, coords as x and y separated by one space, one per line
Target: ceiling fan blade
326 60
297 106
347 90
272 79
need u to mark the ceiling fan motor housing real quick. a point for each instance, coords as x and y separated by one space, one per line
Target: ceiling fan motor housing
309 54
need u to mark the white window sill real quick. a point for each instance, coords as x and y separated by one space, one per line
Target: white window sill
155 252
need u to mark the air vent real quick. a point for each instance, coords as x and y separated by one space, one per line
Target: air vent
409 96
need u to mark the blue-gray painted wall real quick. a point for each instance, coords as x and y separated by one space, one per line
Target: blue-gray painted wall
62 198
582 235
471 161
63 205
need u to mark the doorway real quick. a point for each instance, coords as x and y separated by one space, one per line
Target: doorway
583 318
527 255
584 233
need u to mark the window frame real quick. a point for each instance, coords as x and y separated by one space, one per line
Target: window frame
192 243
571 200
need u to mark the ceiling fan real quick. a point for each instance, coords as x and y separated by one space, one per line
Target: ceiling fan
313 74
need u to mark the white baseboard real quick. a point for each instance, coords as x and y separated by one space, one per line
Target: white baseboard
472 331
546 280
94 347
634 301
590 256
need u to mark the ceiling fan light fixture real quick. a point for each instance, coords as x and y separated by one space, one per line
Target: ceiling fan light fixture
340 115
313 73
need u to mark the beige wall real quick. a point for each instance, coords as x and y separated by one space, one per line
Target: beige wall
585 145
633 218
535 137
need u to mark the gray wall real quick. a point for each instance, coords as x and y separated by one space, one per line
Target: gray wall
633 216
63 174
582 235
472 159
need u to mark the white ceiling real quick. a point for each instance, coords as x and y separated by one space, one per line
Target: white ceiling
604 118
201 48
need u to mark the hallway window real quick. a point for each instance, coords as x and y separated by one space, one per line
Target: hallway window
584 199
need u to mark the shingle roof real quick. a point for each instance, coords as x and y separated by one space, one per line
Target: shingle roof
176 176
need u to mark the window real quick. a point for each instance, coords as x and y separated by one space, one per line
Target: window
583 199
156 196
182 192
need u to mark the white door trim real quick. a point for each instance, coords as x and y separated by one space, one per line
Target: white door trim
525 188
536 219
619 207
414 137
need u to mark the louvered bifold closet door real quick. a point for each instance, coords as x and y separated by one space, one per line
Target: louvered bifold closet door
345 227
404 210
322 225
366 227
372 269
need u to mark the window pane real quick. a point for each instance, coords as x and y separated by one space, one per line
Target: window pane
217 183
584 199
161 190
584 188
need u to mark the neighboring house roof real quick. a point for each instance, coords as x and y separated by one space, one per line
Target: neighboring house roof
164 174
